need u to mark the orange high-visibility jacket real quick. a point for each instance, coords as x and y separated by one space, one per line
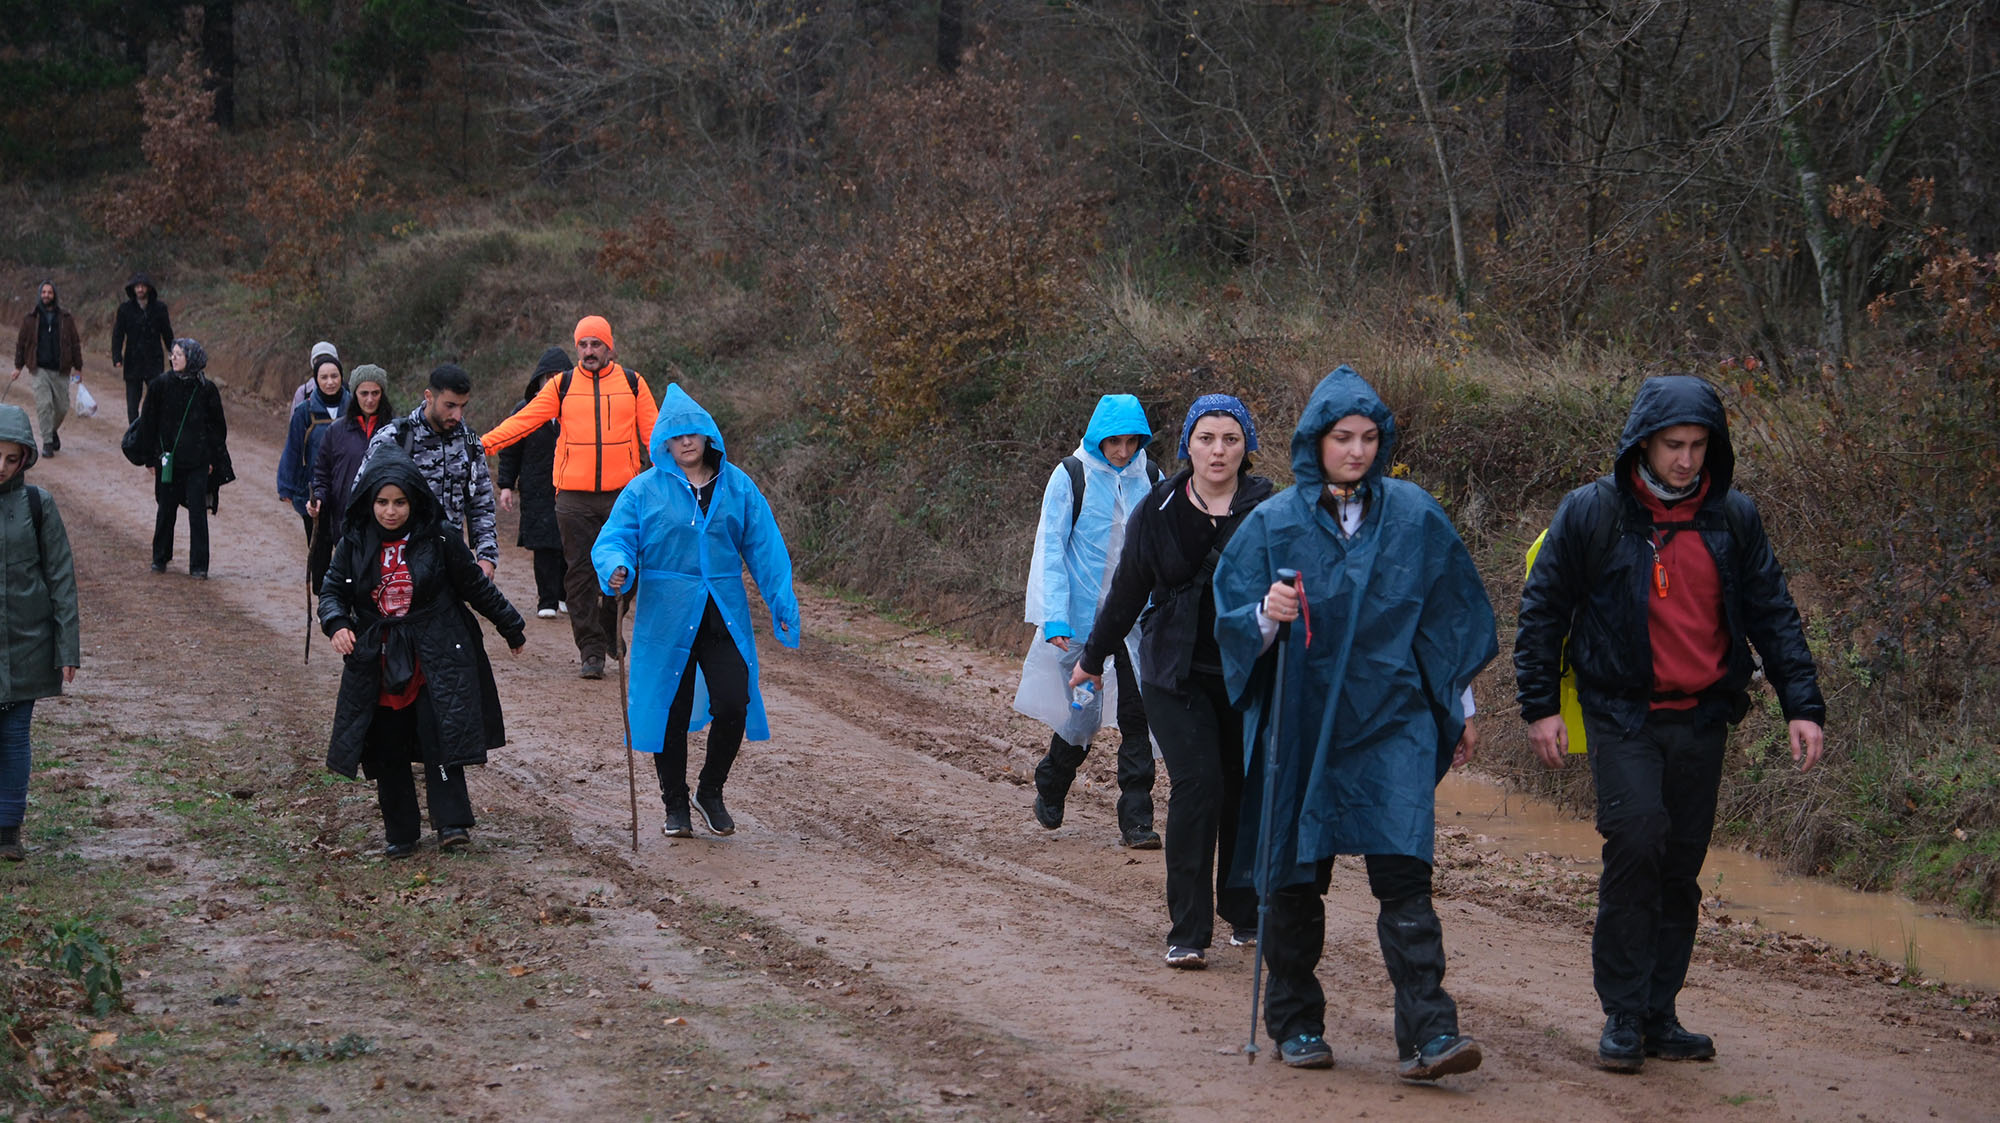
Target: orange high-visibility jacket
605 427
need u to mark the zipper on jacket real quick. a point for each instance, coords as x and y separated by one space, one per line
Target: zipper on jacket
597 428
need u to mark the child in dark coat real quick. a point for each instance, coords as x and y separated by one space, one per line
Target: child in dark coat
417 687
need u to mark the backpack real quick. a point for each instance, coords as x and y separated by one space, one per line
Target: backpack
1075 469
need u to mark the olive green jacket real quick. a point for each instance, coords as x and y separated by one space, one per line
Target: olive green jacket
37 596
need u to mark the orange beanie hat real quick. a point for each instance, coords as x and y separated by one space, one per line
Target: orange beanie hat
595 327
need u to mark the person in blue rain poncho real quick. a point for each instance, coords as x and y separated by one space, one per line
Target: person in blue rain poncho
1394 624
687 527
1076 548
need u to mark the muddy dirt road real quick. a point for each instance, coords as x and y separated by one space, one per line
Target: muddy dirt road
889 927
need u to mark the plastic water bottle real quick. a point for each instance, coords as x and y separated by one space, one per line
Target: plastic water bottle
1082 695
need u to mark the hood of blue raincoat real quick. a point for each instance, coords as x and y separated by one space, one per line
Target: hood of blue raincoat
1343 393
679 416
1678 399
1116 415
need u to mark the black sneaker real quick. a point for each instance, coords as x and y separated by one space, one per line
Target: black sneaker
400 849
159 567
1668 1040
454 838
1622 1046
1049 815
1305 1050
713 814
1243 937
1139 838
1187 959
55 444
1442 1055
677 824
592 668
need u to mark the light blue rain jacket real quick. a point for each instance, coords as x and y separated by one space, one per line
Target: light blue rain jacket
680 559
1072 566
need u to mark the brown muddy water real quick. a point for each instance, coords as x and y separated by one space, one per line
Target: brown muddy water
1899 930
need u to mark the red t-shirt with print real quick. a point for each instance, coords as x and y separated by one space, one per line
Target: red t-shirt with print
393 594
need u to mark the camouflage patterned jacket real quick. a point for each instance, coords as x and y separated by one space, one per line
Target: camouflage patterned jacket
454 464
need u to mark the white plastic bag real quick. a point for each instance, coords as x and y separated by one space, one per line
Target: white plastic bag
86 402
1044 693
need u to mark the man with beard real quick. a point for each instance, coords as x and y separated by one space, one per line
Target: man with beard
140 336
48 346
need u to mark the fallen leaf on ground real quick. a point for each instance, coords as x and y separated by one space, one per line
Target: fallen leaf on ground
103 1039
673 1021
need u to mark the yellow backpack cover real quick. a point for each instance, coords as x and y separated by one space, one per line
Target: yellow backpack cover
1572 710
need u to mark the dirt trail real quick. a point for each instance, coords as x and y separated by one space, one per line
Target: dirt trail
886 865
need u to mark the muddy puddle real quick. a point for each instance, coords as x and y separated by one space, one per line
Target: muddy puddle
1889 926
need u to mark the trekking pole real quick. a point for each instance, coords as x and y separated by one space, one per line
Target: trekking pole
312 548
1260 879
631 770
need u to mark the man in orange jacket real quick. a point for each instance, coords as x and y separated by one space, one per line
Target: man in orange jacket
606 415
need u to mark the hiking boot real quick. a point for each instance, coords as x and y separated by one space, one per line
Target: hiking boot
1305 1050
10 845
159 567
1187 959
1243 937
400 849
1050 817
1668 1040
1139 838
1622 1047
713 814
454 838
55 445
1443 1055
593 667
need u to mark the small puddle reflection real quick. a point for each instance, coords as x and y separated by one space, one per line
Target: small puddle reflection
1887 925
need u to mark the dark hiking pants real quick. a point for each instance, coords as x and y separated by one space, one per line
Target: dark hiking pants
1412 941
593 621
550 570
1201 740
190 490
393 743
728 679
1057 771
135 393
1656 795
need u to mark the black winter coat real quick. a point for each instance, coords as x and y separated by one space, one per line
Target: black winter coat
529 466
439 632
1591 581
1159 586
141 335
202 442
342 448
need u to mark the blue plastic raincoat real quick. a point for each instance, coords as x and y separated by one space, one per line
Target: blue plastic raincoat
679 558
1072 566
1400 624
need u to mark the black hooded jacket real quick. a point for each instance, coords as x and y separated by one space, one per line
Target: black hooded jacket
438 633
1590 583
1164 581
183 414
141 334
528 465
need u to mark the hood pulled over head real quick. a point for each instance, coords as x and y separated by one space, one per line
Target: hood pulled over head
131 286
392 466
1116 415
14 427
554 361
1343 393
1678 399
681 415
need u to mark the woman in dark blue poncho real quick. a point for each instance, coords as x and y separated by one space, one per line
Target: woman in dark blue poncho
1393 625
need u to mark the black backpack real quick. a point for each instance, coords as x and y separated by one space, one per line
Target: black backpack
1075 469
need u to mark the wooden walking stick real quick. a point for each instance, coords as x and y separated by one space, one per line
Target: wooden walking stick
624 650
312 594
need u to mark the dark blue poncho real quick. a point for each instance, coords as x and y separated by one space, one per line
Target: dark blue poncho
1400 625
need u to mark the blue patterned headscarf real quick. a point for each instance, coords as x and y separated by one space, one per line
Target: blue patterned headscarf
1219 404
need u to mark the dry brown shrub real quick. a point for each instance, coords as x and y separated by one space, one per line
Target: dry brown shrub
305 196
186 187
971 241
642 252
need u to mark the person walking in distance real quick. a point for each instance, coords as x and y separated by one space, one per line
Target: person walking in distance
49 348
1659 578
1377 701
141 333
529 465
38 612
1166 567
311 420
680 536
184 438
338 460
1088 499
606 413
450 457
415 685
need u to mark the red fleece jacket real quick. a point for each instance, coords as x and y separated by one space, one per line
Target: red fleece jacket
1690 638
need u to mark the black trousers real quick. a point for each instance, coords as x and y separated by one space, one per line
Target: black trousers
189 489
1057 771
728 679
1201 739
1656 793
550 569
394 743
135 393
1412 941
593 620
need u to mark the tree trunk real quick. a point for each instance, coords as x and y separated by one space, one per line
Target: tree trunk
1460 268
1828 244
218 53
1539 66
950 34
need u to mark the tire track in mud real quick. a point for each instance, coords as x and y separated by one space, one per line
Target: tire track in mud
885 843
